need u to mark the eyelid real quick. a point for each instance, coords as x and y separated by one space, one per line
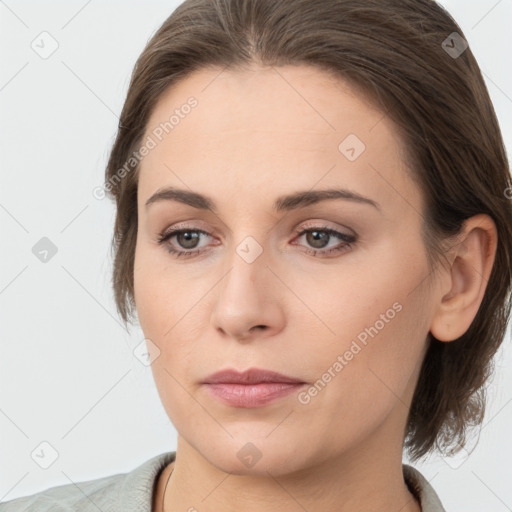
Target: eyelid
192 225
322 224
195 225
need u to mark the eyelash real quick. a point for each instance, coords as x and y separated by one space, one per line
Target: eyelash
348 239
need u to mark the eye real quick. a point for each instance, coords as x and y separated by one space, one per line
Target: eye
186 238
320 236
317 237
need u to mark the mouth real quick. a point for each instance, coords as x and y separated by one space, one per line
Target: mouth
252 388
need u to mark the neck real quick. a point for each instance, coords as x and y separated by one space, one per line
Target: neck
335 485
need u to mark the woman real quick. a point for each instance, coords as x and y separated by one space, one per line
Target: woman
314 230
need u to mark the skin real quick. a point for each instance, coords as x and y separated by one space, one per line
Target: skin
254 136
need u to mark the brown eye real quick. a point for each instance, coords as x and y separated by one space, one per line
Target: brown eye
319 237
187 239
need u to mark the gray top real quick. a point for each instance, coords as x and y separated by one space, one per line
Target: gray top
133 492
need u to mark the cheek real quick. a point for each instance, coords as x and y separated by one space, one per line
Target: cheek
167 308
157 291
366 381
380 318
161 302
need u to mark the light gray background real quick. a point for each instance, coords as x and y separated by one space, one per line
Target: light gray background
68 375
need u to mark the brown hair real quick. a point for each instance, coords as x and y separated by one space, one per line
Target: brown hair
400 54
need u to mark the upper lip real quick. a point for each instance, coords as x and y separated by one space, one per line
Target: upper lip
250 376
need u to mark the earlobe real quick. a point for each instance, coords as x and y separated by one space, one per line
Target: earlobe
472 260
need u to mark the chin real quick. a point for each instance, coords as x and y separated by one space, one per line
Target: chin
259 457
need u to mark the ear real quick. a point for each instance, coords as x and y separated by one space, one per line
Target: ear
463 284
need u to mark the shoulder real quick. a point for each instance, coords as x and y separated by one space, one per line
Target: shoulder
80 496
422 489
126 492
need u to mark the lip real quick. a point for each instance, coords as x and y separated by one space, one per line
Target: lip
251 388
250 376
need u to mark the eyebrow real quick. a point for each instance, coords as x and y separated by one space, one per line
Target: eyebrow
283 203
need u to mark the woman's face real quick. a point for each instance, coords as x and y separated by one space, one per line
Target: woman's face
248 290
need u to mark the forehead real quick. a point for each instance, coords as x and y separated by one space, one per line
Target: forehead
269 129
293 98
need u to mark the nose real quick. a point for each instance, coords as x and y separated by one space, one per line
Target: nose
248 303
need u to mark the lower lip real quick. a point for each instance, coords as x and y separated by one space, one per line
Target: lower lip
252 395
